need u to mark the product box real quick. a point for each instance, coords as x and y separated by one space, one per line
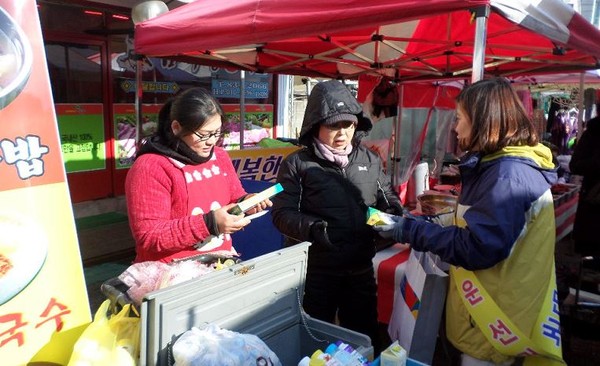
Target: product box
394 355
260 296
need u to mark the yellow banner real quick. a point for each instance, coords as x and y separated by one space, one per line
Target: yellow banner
43 298
500 331
259 164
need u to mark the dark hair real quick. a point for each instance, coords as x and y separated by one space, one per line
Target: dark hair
385 99
497 116
191 109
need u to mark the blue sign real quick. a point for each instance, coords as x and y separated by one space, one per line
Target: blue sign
231 89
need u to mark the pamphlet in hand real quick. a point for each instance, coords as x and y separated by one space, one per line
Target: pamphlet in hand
378 218
247 204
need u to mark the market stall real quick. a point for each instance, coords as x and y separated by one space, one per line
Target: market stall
421 132
403 41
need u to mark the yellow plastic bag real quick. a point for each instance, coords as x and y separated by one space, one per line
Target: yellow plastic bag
127 330
108 341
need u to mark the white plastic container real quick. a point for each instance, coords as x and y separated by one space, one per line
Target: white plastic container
421 178
394 355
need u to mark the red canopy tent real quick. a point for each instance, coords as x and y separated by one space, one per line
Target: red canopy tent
401 39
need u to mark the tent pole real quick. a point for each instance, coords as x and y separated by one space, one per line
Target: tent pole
580 105
397 124
242 107
481 13
139 64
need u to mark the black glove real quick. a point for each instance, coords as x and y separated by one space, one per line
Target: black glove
318 235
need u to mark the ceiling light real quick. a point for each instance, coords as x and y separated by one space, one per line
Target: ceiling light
148 10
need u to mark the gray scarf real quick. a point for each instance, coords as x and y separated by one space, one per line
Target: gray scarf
339 157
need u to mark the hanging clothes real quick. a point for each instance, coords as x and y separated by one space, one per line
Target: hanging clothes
589 103
559 131
552 111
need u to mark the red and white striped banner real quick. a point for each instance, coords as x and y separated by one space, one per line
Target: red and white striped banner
389 265
564 215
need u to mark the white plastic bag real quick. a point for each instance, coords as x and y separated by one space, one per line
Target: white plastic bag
214 346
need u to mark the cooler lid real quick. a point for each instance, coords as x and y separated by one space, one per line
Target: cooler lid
258 296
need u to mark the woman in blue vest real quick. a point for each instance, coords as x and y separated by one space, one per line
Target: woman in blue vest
501 303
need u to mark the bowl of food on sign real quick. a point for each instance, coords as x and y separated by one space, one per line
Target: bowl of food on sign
15 59
23 251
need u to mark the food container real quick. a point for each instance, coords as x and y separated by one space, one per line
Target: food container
436 204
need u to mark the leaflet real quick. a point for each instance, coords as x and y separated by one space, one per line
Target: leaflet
247 204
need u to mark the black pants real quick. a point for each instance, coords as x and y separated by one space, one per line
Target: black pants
352 296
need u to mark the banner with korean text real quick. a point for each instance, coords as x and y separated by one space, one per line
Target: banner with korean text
43 298
259 164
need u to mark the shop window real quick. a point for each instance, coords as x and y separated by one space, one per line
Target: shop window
75 72
162 78
80 19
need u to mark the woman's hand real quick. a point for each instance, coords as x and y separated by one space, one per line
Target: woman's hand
228 223
392 231
261 206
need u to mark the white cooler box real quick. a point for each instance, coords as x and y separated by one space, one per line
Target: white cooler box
261 296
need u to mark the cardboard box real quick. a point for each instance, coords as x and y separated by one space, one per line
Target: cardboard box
261 296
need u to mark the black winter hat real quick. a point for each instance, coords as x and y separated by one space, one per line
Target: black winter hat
339 118
330 102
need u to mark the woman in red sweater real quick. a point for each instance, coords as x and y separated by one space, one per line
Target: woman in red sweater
181 184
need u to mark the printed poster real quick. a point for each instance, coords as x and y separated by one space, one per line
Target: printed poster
82 137
43 298
125 125
258 124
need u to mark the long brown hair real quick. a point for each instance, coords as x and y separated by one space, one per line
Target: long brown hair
497 116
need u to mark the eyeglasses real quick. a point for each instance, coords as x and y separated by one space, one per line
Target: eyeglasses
206 137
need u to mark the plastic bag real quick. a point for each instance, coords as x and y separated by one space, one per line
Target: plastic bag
142 278
145 277
182 271
108 341
214 346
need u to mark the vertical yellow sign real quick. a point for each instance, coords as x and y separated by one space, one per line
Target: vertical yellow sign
43 299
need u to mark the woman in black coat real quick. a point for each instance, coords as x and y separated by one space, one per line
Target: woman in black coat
586 162
329 185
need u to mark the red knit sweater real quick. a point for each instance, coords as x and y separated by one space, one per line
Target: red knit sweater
157 205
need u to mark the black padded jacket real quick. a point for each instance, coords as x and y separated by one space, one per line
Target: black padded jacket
317 189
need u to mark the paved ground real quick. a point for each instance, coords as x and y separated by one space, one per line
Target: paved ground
97 274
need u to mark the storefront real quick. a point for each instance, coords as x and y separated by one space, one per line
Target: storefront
89 49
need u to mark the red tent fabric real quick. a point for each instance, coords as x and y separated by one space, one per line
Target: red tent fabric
401 39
